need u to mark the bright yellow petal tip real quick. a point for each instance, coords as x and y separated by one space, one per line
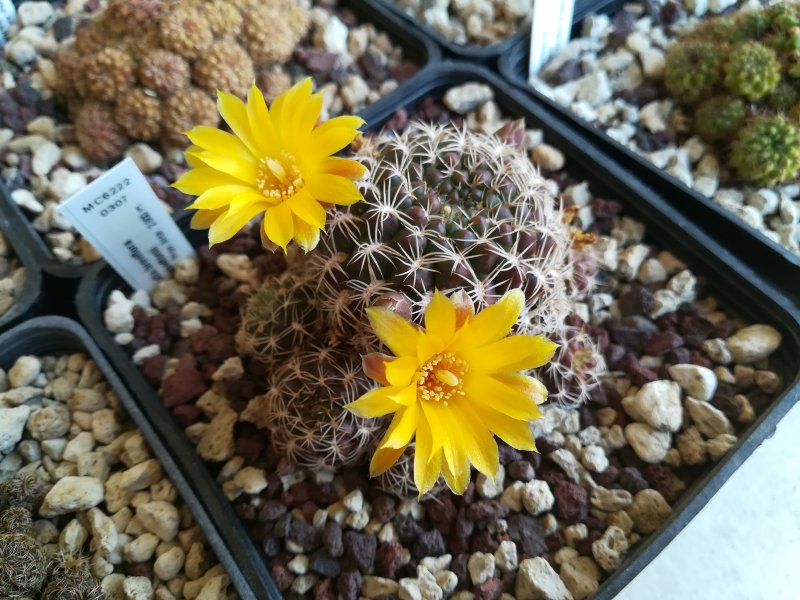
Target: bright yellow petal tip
453 386
275 162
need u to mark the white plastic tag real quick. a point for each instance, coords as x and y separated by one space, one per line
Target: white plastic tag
120 215
550 28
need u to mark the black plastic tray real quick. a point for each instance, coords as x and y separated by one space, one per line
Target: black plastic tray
52 335
17 235
487 54
742 292
780 265
416 47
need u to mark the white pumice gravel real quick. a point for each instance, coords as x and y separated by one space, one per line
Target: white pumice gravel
104 496
603 77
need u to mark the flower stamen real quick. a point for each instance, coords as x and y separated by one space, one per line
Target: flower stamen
279 179
441 378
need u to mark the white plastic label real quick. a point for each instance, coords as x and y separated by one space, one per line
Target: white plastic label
550 28
120 215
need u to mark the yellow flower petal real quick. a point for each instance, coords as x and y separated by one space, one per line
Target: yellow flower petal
218 197
482 449
244 171
426 470
401 370
335 134
525 384
464 307
234 113
344 167
334 189
305 206
383 459
440 318
374 366
517 434
455 467
394 331
260 120
515 353
306 236
226 227
375 403
403 426
482 389
492 323
197 181
278 225
210 138
203 219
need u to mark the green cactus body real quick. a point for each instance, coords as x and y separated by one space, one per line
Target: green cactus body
783 97
767 150
718 118
693 69
752 71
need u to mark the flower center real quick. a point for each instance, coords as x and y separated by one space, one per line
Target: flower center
279 178
441 378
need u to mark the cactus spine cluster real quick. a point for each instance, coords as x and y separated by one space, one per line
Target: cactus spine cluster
446 209
148 69
26 571
740 75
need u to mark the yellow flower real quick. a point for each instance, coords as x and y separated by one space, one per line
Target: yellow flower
454 385
277 161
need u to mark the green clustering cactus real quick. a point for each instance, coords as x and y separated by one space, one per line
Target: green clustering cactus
740 75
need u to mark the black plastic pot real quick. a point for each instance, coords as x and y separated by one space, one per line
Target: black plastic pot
416 47
743 292
17 235
771 259
487 55
57 335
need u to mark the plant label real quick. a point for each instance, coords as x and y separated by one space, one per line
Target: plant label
120 215
551 23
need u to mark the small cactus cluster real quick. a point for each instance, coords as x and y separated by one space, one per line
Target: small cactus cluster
26 570
740 75
446 209
148 69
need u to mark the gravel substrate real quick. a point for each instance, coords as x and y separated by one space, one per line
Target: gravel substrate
104 495
353 65
612 77
481 22
12 275
684 378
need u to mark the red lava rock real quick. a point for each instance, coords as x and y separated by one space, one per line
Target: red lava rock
407 528
508 454
638 373
699 359
271 547
630 338
441 513
184 384
283 578
528 533
662 479
486 511
186 414
491 589
383 508
332 539
388 559
271 510
608 477
483 541
555 541
458 544
359 550
323 590
459 567
631 479
521 470
324 564
662 342
571 501
306 535
678 356
430 543
349 585
201 337
605 209
637 300
584 546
